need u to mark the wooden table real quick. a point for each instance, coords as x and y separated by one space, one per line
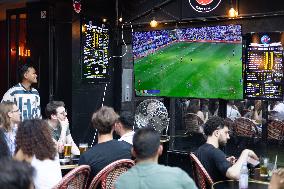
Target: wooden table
66 168
232 184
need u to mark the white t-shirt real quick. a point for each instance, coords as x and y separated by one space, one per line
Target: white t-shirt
232 113
128 137
279 108
47 173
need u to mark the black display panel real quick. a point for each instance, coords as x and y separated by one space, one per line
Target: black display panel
263 73
95 51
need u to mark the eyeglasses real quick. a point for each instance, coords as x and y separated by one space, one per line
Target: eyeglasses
13 111
63 112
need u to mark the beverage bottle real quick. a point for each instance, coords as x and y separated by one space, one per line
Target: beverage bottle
243 182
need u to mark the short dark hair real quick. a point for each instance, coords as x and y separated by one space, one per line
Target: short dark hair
15 174
213 124
146 142
127 120
51 108
104 119
24 67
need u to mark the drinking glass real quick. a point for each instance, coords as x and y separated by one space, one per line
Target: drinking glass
83 147
264 167
67 150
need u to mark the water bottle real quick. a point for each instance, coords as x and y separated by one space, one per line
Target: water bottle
243 182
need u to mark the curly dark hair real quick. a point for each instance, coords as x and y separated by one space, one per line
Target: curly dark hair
34 138
104 119
213 124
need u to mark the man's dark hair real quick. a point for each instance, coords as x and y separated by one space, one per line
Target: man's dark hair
127 120
104 119
213 124
146 142
15 174
51 108
23 68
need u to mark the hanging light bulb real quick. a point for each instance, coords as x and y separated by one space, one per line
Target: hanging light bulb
233 13
153 23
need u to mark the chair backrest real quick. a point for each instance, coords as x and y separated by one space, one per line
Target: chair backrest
245 127
192 122
200 175
76 178
276 130
108 175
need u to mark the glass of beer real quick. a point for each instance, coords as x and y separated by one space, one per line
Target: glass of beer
83 147
264 167
67 150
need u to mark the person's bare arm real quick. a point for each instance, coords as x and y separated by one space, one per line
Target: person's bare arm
234 171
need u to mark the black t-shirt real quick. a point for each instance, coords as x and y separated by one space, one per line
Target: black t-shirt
105 153
214 161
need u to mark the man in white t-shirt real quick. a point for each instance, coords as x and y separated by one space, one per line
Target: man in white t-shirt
124 127
279 109
24 95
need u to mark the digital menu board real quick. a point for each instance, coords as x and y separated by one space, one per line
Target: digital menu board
263 67
95 50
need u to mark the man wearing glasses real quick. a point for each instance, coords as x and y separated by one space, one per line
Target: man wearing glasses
59 126
213 159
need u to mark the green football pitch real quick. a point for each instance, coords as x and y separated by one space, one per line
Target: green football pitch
190 69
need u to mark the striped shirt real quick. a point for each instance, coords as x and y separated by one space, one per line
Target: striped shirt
28 101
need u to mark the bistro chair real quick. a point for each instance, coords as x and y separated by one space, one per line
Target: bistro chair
200 175
245 127
77 178
276 130
106 178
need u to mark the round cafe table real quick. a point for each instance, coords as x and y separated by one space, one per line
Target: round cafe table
232 184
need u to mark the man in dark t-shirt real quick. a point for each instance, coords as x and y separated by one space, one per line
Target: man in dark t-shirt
213 159
107 150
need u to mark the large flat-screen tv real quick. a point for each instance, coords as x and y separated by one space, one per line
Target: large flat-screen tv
201 62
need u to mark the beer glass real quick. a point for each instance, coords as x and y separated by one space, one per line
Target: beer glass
83 147
67 150
263 167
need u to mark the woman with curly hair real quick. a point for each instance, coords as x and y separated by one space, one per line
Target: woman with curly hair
34 144
11 117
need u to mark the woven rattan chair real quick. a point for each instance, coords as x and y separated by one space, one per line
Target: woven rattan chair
108 175
200 175
245 127
276 130
77 178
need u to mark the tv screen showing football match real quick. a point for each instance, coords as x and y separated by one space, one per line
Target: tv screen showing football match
203 62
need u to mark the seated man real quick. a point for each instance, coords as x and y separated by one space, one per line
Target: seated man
107 150
213 159
124 128
147 173
59 126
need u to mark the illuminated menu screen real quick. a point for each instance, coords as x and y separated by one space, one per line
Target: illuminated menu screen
264 67
95 49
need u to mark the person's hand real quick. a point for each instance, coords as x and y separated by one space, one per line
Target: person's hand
231 159
251 154
277 179
64 123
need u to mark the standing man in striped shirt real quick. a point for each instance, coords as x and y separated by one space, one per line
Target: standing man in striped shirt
24 95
